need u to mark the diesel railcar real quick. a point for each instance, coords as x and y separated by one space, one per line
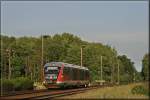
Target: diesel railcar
60 74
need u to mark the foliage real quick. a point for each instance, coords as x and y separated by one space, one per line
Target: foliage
7 85
139 89
26 56
127 69
145 67
138 77
20 83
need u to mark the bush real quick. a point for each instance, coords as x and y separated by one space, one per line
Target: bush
27 84
140 90
6 85
20 83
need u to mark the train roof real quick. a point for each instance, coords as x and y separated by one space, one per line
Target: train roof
66 65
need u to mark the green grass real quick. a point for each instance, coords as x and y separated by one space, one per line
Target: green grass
123 91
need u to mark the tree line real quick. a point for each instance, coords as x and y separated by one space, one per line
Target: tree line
22 57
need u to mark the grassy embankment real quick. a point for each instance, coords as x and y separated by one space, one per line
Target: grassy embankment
123 91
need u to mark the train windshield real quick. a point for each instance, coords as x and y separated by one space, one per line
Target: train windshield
51 70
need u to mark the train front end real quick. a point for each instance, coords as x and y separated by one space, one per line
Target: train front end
51 72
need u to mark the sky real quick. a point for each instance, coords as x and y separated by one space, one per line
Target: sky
120 24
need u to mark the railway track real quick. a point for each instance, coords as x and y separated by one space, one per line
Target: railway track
47 94
23 92
63 93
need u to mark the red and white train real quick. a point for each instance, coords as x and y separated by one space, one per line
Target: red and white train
59 74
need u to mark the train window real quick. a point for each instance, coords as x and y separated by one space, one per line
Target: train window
75 73
71 73
78 74
51 71
86 74
66 71
81 74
